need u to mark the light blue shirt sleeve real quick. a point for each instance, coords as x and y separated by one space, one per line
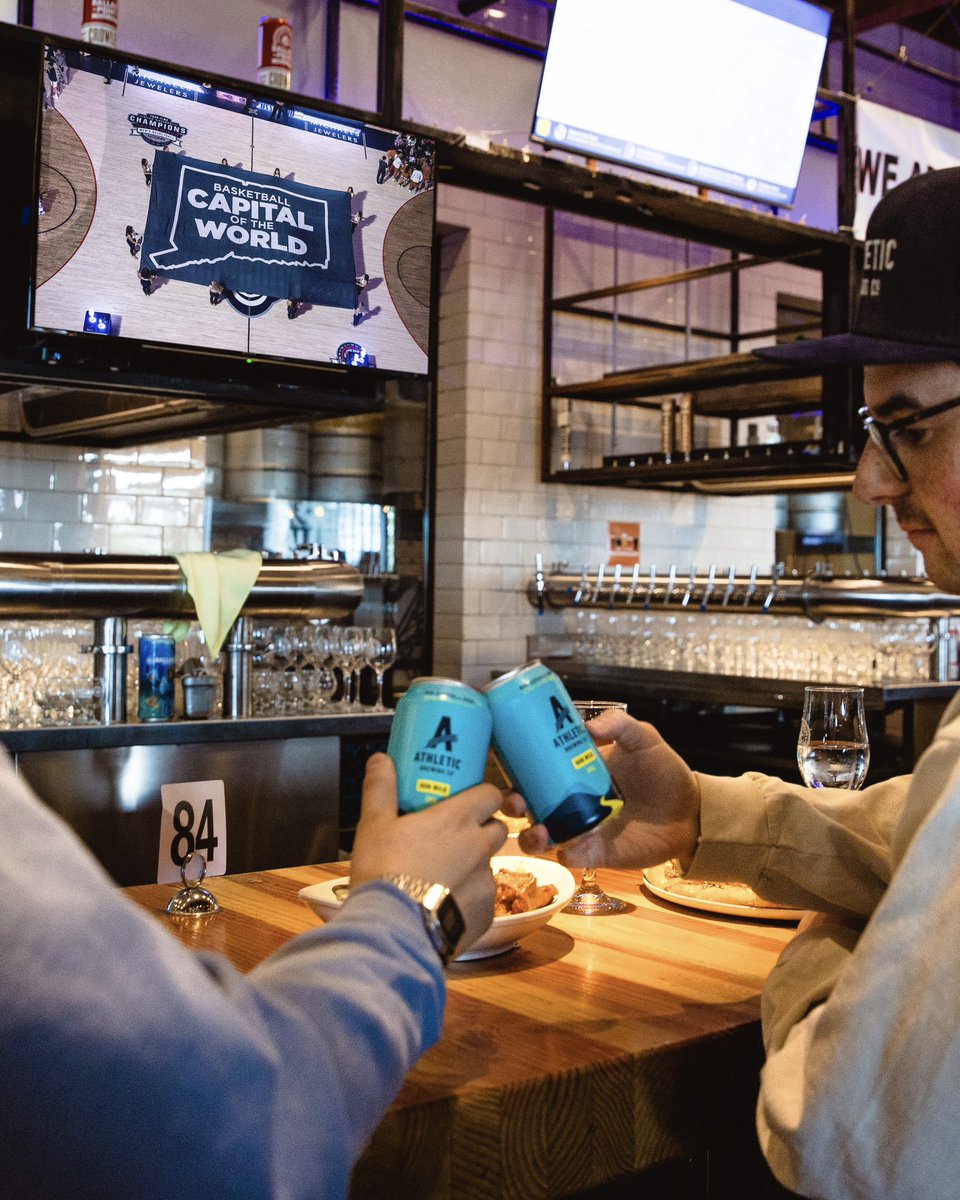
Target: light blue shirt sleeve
131 1067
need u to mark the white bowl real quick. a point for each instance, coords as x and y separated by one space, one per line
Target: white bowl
505 932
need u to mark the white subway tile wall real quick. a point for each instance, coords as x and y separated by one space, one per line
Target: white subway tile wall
494 514
65 500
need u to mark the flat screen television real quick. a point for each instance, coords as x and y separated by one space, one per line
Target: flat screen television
718 93
190 225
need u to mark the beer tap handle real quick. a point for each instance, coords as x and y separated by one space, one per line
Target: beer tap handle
691 584
731 584
541 582
708 590
598 585
775 576
581 587
751 587
651 587
617 572
634 581
671 584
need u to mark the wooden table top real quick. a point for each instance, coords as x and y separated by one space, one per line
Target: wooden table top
597 1047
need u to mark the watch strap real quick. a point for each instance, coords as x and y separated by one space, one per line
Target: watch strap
441 915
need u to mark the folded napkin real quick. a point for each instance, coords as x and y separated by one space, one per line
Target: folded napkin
219 585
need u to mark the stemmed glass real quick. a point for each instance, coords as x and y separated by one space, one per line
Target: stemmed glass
20 659
352 647
65 691
833 750
317 680
590 898
379 654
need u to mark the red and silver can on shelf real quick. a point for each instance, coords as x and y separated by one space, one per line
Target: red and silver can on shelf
100 22
439 741
276 53
158 659
546 751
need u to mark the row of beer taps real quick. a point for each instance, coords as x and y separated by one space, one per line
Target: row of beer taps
612 586
817 595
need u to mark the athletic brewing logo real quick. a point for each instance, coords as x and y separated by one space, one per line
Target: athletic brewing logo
879 254
156 130
444 736
437 755
561 714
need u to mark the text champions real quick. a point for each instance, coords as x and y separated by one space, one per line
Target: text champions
254 218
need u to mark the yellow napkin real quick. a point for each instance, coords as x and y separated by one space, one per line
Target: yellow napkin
219 585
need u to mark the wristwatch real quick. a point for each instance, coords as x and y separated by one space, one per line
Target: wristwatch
441 916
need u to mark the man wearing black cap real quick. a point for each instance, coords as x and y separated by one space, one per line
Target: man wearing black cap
860 1094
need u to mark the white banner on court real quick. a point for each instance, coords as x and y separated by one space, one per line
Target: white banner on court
892 146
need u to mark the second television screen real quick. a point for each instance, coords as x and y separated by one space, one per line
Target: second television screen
718 93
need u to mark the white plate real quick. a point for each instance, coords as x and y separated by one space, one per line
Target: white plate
654 878
505 932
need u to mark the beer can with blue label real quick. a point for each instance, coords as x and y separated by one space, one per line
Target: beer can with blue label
157 665
545 749
439 741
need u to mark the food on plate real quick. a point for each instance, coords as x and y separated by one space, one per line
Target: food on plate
704 889
519 892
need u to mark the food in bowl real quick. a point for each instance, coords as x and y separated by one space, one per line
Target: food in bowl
504 932
519 892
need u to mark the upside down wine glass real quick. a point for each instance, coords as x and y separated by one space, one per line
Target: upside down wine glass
833 749
590 899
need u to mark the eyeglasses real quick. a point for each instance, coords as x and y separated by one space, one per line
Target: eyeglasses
883 434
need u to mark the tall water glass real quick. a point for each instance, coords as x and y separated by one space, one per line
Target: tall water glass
833 750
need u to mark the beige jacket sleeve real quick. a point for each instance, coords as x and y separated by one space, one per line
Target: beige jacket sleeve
825 850
860 1095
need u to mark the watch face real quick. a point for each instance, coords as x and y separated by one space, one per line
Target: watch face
451 922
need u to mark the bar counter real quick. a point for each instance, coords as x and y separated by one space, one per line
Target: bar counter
602 1052
180 732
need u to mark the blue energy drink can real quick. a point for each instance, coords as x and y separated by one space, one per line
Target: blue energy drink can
545 749
158 658
439 741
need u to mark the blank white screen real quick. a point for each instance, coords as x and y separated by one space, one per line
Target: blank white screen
724 87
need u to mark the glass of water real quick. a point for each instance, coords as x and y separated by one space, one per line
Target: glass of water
833 750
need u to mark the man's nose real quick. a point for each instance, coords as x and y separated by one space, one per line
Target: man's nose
876 481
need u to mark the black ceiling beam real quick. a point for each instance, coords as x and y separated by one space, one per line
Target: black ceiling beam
390 63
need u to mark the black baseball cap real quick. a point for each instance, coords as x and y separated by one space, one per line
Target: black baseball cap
908 309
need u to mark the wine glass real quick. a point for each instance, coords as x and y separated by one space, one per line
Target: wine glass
20 660
352 646
379 655
590 898
833 750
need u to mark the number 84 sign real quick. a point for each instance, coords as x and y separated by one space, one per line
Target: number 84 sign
193 817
